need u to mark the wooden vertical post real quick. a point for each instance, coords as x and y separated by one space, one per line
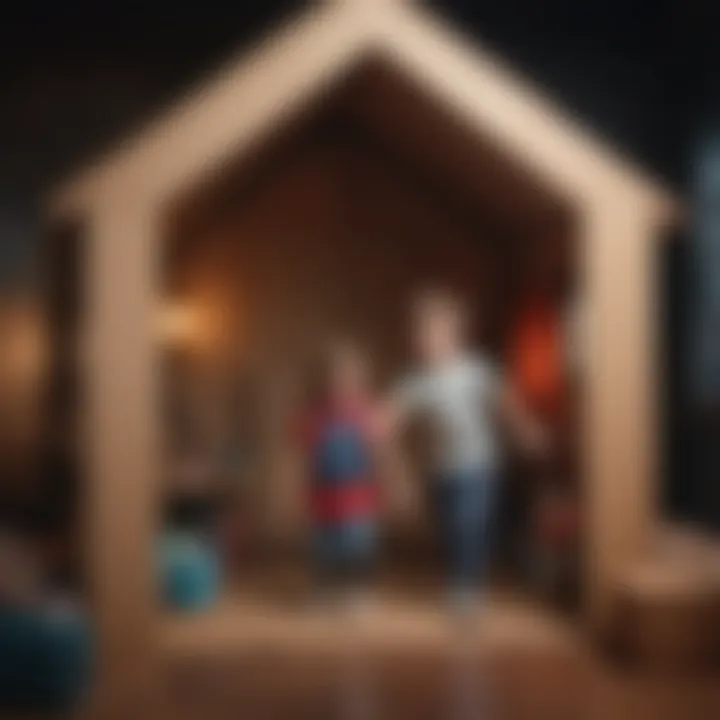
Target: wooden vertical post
621 423
122 444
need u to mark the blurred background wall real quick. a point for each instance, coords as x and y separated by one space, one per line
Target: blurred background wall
75 78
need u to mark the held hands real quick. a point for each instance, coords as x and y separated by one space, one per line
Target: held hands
382 423
400 496
399 485
404 501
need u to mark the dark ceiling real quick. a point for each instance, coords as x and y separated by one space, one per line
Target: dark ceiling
75 77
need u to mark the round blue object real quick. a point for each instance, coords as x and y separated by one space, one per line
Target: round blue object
190 571
45 658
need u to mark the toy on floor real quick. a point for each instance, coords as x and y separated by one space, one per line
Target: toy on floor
190 570
188 553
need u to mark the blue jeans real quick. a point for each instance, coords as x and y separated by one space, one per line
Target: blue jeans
464 503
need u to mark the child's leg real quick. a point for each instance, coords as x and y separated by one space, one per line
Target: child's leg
486 488
455 524
464 505
345 554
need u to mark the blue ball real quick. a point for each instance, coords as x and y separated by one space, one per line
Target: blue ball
190 571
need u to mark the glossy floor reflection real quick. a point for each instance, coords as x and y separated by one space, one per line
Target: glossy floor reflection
408 659
452 687
258 656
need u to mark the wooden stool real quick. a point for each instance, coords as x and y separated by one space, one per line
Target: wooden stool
669 616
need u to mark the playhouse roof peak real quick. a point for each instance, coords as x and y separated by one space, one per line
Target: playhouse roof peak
310 52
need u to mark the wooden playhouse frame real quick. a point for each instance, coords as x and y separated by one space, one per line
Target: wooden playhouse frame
120 205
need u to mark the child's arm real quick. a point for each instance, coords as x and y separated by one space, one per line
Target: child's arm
397 480
402 403
393 469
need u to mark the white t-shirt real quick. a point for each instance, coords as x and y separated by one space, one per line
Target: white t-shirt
460 401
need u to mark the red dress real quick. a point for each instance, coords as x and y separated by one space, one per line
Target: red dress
338 442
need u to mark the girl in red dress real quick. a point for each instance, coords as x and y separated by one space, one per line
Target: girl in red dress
337 433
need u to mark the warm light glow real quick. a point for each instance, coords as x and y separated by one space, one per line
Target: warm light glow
178 323
25 351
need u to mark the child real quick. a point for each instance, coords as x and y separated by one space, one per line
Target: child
460 393
337 433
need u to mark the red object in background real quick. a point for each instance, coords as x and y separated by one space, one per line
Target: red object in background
536 360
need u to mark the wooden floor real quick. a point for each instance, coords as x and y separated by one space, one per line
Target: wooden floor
254 657
513 686
394 618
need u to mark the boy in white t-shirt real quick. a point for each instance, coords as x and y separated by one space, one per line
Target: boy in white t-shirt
464 397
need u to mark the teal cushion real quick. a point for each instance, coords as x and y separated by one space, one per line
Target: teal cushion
45 658
190 572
